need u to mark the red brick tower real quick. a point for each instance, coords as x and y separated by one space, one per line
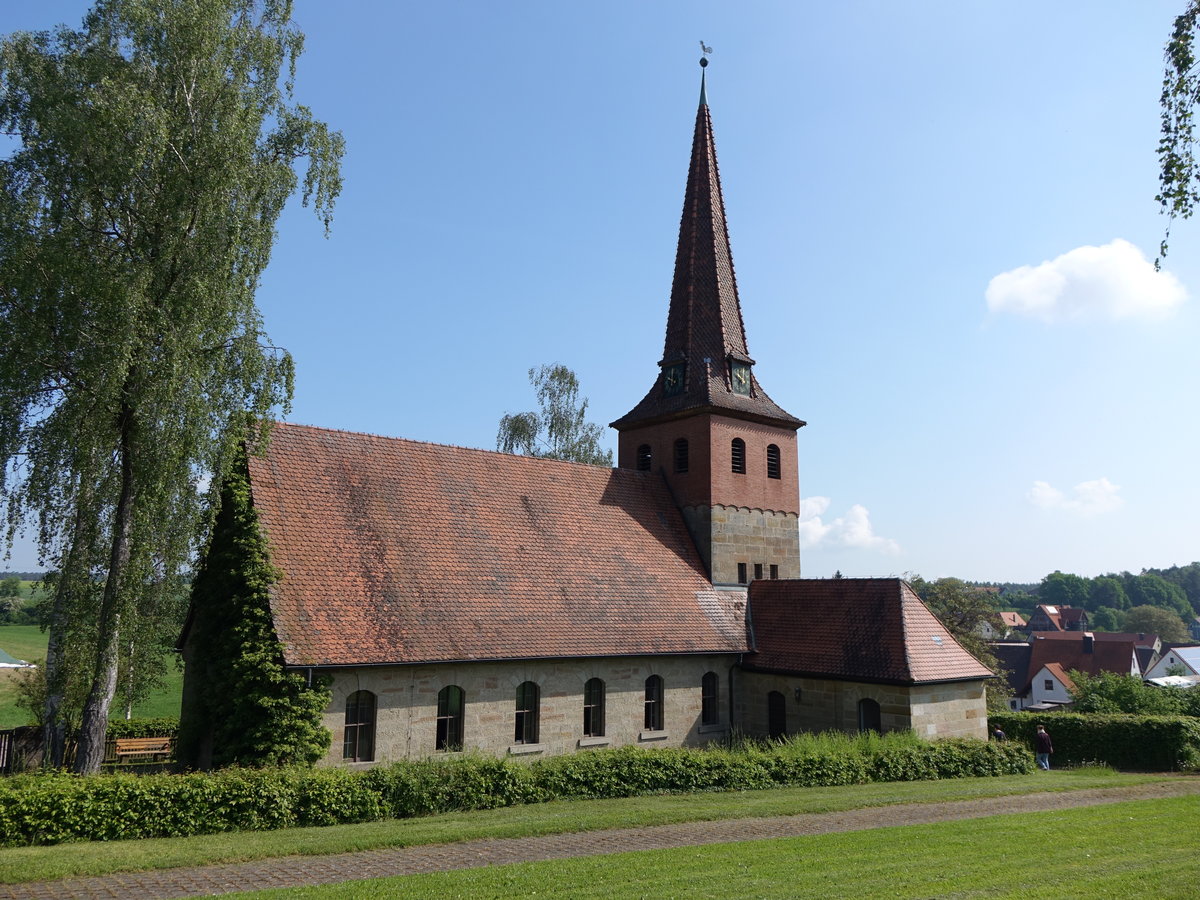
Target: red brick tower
726 449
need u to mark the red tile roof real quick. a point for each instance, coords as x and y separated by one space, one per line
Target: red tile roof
396 551
704 321
855 629
1070 650
1012 619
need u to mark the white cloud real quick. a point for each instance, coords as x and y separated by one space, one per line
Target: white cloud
1111 282
851 530
1088 498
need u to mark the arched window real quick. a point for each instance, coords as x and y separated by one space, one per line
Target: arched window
526 731
451 701
776 715
593 708
654 703
869 718
643 458
681 456
710 711
358 744
737 456
772 461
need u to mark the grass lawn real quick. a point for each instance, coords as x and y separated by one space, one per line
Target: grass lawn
28 642
44 863
1142 848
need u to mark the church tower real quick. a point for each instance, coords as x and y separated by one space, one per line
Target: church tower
727 451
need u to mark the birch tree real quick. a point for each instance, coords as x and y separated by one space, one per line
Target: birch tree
154 149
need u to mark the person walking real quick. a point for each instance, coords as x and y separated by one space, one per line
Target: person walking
1043 747
998 734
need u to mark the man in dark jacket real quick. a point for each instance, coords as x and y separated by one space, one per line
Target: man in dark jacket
1043 747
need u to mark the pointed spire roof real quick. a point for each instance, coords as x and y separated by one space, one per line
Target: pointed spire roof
704 322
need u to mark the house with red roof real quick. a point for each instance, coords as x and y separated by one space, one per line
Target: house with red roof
462 599
1052 656
1048 617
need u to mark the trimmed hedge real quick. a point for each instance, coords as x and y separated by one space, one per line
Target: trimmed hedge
1145 743
51 808
165 726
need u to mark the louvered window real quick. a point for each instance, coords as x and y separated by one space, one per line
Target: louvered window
681 456
772 461
737 455
643 458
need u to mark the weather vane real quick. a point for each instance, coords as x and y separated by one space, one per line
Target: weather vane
705 50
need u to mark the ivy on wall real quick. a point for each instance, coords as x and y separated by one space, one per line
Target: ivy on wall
240 705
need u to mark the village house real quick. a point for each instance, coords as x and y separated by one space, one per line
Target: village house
469 600
1039 671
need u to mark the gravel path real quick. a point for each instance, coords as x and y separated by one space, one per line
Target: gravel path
293 871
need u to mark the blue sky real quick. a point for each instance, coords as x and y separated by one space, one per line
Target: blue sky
943 223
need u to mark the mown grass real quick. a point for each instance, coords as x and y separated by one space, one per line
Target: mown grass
45 863
1140 848
28 642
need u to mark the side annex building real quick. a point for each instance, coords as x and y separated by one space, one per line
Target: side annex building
464 599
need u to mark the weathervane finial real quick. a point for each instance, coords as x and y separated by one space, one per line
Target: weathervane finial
705 50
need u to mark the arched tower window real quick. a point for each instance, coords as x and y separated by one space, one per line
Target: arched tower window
710 711
451 701
593 708
528 703
737 456
358 744
643 458
681 456
773 461
654 703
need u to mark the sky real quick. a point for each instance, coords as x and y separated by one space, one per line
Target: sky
943 224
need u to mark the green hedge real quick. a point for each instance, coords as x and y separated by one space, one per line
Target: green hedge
165 726
47 809
1145 743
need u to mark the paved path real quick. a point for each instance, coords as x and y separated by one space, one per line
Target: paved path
293 871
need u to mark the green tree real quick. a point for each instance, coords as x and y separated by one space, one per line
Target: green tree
1155 620
155 150
1179 178
1152 590
560 430
1108 692
1107 591
1062 589
10 587
1105 618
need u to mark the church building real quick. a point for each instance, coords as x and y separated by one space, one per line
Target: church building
470 600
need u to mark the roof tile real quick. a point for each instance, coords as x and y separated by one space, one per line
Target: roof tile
397 551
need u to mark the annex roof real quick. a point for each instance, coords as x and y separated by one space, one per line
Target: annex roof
397 551
853 629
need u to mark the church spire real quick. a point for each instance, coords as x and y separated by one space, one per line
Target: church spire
706 365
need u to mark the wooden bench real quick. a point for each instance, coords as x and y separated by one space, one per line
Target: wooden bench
130 749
